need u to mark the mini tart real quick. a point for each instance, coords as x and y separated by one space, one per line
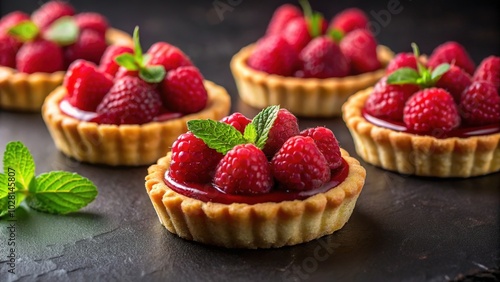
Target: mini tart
128 145
420 155
262 225
26 92
307 97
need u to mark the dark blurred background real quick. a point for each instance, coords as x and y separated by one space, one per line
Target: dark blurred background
210 32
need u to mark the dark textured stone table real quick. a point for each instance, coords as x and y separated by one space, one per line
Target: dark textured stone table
403 228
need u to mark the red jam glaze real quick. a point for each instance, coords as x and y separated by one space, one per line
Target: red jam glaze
461 132
72 111
209 193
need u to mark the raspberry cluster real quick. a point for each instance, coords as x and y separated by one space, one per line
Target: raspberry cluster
126 88
438 95
290 159
304 44
51 38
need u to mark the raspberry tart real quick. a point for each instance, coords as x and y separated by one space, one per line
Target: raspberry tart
438 117
36 50
309 66
131 108
261 183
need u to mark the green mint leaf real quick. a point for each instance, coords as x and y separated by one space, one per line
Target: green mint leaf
61 192
152 74
18 158
439 71
64 31
403 76
263 122
250 133
335 34
217 135
25 30
127 61
137 47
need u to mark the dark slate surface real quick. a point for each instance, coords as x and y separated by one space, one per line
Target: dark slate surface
403 228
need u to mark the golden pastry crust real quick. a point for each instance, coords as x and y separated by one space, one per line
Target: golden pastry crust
128 145
418 154
308 97
26 92
263 225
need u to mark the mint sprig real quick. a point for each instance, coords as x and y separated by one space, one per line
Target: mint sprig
223 137
139 62
57 192
423 77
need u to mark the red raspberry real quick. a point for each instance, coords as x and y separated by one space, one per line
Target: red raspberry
130 101
274 55
322 58
296 33
281 17
360 48
244 170
284 127
349 20
89 46
94 21
86 85
50 12
108 64
401 60
123 72
8 49
327 144
453 53
39 56
299 165
388 100
455 80
238 120
168 56
431 111
193 160
12 19
489 70
480 104
183 90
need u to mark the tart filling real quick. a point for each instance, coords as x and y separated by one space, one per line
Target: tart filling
210 193
461 132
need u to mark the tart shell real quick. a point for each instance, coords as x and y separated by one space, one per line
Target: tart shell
263 225
307 97
419 154
127 145
26 92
